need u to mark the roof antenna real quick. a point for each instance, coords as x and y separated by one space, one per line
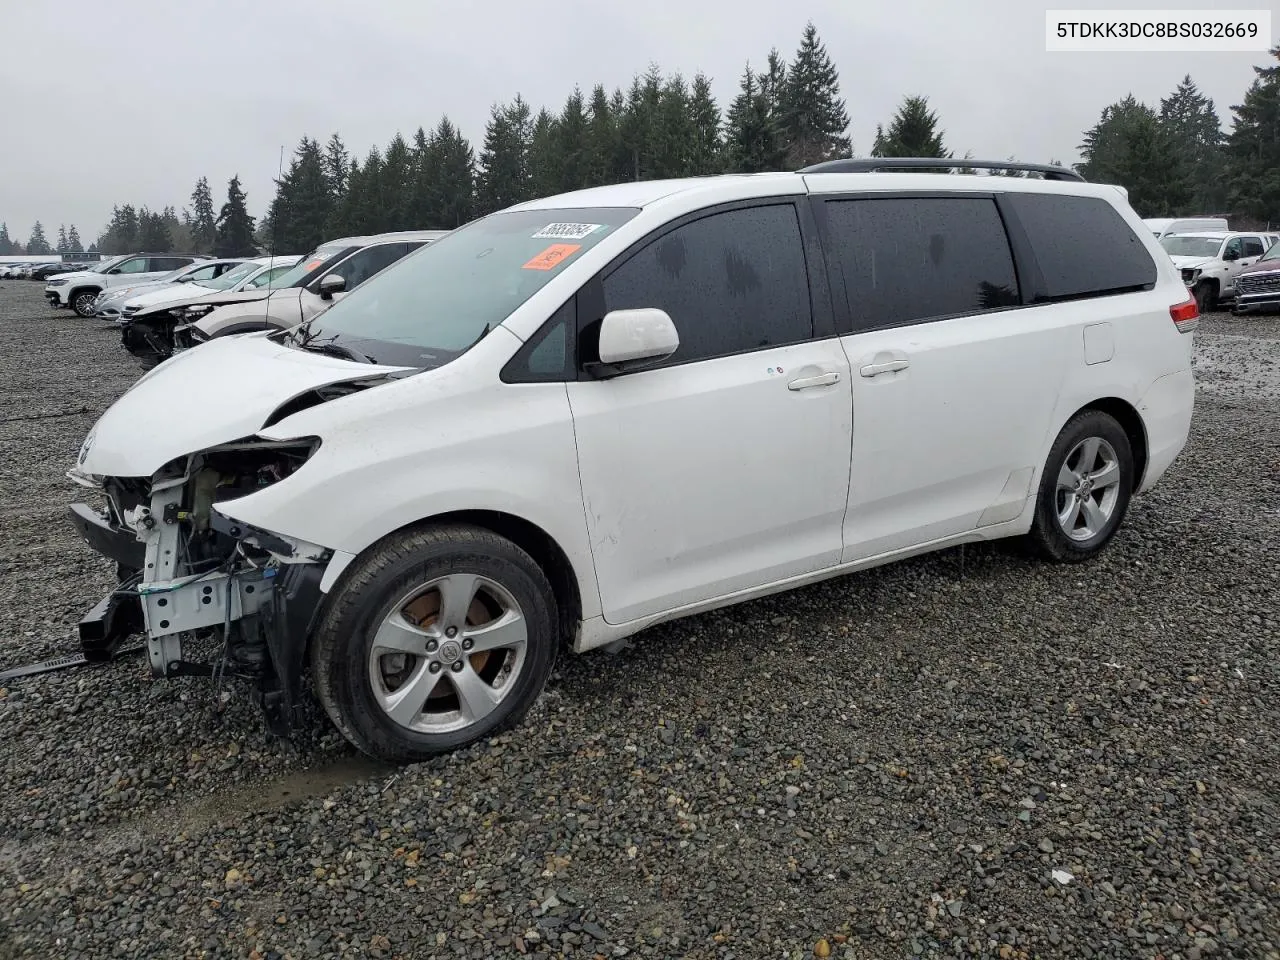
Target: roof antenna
271 250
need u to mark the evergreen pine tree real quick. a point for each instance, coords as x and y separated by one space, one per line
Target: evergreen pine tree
399 183
337 163
1129 147
503 175
706 147
234 237
6 245
673 130
38 244
299 214
1253 147
603 144
543 175
1194 132
62 239
813 116
456 184
573 157
748 141
203 222
913 132
153 232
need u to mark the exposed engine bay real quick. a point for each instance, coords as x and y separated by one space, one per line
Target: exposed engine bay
188 572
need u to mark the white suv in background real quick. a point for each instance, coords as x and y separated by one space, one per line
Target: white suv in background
1210 261
79 289
590 413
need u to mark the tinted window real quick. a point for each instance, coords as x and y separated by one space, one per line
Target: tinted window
360 266
206 273
1234 248
918 258
1253 247
135 265
545 357
731 282
1082 246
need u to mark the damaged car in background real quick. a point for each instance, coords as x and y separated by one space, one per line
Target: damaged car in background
154 333
570 420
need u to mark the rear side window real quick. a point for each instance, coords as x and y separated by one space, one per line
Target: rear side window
912 259
1253 247
732 282
1082 245
359 267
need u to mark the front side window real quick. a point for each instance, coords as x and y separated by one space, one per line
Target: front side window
231 275
270 276
429 308
1233 249
203 273
1083 246
911 259
731 282
136 265
360 266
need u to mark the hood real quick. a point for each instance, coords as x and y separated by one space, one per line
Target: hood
214 298
74 275
221 391
1262 266
1184 262
166 293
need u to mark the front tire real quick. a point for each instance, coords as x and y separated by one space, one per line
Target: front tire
82 302
1085 490
437 638
1206 295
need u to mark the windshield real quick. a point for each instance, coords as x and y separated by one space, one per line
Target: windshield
433 305
1191 246
231 277
303 267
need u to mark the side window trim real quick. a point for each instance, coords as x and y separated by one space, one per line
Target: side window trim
591 299
1026 269
516 370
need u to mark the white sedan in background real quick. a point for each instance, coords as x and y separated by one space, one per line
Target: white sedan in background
250 275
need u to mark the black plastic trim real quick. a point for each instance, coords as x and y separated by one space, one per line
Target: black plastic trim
113 543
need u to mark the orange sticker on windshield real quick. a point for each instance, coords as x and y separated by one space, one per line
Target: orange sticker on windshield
553 256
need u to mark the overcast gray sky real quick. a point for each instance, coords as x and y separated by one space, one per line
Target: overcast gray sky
166 92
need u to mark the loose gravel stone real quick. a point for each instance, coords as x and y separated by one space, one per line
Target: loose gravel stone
887 765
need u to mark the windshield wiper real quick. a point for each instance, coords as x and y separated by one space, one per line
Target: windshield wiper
335 350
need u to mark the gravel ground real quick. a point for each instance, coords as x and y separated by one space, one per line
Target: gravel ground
893 764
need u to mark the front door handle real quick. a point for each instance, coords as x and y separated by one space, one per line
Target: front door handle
822 380
875 369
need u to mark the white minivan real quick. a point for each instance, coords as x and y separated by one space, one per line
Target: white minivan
590 413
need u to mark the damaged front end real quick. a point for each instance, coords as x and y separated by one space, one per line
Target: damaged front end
191 576
155 335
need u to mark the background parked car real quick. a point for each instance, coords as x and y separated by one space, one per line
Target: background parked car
1258 286
107 306
1210 262
45 270
1164 226
327 273
79 289
248 275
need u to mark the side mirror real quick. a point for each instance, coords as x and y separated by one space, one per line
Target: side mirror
333 283
1231 255
631 339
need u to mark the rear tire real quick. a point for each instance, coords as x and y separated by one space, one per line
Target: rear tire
1085 490
435 639
81 301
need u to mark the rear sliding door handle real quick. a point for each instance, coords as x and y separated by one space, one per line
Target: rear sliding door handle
822 380
875 369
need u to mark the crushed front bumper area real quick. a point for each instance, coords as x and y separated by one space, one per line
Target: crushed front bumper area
191 574
151 341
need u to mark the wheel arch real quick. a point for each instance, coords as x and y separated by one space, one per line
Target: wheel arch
529 537
1130 420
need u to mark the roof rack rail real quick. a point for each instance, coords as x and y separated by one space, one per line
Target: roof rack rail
879 164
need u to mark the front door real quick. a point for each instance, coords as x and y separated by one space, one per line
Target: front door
727 466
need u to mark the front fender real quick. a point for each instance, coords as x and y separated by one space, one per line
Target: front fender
409 451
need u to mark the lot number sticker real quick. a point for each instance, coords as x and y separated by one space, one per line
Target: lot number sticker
567 231
553 256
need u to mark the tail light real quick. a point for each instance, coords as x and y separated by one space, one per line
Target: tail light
1185 315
